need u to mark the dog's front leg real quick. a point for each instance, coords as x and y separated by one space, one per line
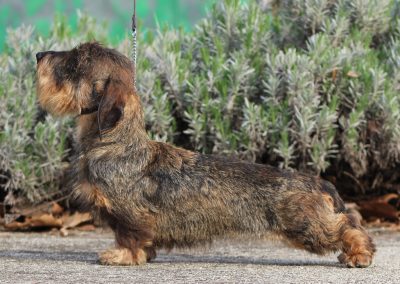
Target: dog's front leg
133 247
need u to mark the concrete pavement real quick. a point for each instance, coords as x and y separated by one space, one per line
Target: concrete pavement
46 258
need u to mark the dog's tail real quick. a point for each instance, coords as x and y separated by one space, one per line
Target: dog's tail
329 189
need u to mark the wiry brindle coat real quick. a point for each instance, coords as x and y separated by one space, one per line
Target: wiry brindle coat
155 195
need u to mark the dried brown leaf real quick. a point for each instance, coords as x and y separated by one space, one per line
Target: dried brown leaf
36 221
379 208
87 228
74 220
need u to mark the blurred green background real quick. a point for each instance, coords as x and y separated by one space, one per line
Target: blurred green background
117 13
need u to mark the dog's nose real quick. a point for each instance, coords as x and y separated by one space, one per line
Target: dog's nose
39 56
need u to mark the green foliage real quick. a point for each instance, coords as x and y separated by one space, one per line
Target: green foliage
311 85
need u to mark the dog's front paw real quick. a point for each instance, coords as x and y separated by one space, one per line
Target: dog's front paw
122 256
360 260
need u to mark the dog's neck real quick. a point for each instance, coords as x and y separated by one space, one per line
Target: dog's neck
129 132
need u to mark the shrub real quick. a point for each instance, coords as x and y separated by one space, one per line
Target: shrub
309 85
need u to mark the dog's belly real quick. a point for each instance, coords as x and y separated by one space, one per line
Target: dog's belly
213 212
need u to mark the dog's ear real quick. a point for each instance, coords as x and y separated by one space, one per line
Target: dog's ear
111 106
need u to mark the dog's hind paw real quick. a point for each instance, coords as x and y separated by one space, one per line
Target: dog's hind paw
360 260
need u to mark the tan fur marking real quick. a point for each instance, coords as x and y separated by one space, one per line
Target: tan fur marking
356 249
123 256
94 195
100 200
328 200
84 125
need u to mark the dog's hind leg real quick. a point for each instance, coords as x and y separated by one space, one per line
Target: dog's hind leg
309 222
358 247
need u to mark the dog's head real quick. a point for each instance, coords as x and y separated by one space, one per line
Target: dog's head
89 78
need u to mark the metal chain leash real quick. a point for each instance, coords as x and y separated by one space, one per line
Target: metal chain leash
134 47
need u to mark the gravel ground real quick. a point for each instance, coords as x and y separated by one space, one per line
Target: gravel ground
46 258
